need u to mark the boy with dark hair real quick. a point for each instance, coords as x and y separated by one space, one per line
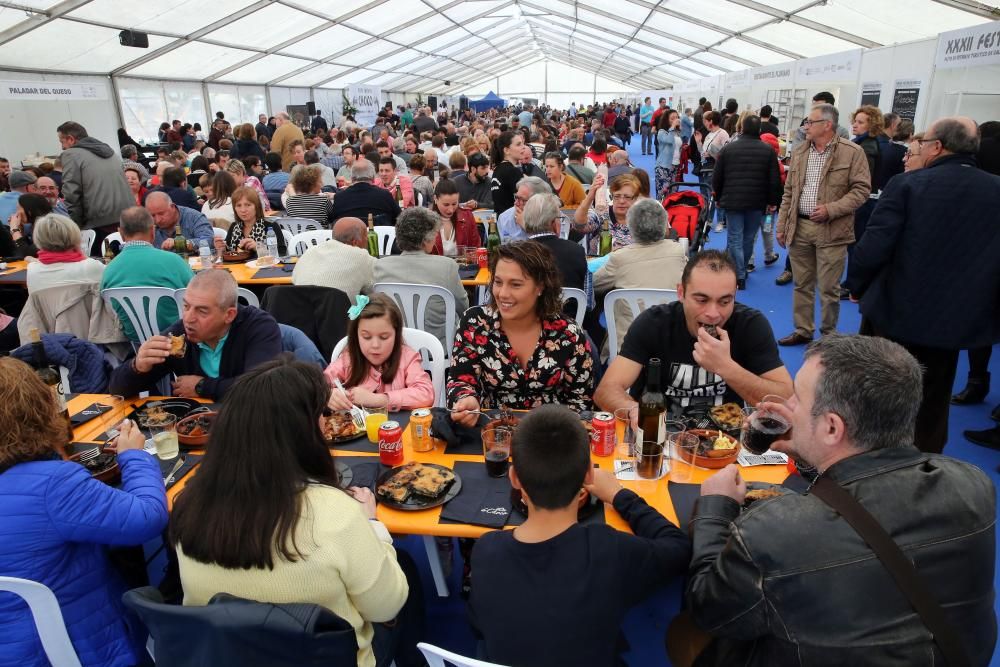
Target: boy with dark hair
552 591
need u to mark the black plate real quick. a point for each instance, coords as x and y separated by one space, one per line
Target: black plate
180 407
418 502
347 438
345 472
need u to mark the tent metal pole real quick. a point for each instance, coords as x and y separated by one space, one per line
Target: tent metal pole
118 102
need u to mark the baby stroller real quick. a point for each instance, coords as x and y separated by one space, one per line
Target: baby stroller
688 213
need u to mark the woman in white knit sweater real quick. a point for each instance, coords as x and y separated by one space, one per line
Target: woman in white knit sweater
277 527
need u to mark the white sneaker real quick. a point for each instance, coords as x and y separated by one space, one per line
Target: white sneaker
718 227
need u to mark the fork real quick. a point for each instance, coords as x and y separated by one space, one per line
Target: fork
358 415
89 455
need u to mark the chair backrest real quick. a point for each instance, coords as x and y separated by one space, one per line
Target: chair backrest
581 301
301 242
638 300
113 236
298 225
429 348
386 237
48 619
241 293
483 215
413 299
436 657
567 222
139 305
87 238
219 233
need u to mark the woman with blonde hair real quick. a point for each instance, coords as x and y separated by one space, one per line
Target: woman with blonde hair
238 170
249 226
60 260
625 191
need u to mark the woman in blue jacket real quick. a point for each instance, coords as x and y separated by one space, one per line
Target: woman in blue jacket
58 523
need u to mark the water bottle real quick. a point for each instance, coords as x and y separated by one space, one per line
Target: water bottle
272 244
768 221
205 254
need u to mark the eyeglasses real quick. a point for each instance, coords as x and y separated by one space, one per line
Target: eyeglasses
924 141
808 121
623 197
521 199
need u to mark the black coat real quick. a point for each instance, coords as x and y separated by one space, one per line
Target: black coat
928 266
319 312
746 175
570 260
362 198
246 148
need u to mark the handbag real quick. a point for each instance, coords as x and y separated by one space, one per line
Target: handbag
899 566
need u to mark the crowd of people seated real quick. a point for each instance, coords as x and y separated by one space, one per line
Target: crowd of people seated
789 582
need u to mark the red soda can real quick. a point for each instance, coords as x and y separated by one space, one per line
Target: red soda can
483 257
390 443
602 434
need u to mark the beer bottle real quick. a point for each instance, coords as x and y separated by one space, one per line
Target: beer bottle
399 195
651 407
492 238
372 238
180 243
108 255
51 377
605 244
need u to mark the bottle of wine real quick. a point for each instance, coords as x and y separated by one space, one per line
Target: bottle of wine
605 244
492 238
372 238
108 255
399 195
180 243
651 407
51 377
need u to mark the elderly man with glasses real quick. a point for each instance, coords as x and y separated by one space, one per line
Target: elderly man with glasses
828 180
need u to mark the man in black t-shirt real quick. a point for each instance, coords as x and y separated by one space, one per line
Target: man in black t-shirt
699 369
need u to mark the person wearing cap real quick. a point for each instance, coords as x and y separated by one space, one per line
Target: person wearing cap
474 185
21 182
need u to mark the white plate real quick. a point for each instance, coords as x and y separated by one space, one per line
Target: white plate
252 264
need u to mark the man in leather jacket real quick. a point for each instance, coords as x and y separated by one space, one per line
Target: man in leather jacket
789 582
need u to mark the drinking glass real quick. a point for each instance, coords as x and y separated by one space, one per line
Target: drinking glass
113 416
761 427
684 448
649 459
165 437
625 446
496 451
374 419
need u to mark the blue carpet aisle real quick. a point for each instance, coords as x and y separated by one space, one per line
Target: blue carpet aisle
646 625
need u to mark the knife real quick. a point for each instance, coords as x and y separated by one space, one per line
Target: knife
170 475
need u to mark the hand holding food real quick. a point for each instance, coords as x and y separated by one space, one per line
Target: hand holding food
726 482
154 351
711 352
130 437
339 400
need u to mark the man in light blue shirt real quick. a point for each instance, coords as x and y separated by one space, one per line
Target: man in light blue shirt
525 116
166 216
572 110
645 126
510 224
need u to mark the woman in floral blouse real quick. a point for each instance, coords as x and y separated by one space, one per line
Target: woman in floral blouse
625 191
250 227
519 350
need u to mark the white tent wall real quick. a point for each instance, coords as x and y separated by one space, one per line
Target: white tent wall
912 62
146 103
240 104
29 126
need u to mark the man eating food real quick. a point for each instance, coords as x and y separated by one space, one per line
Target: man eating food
713 350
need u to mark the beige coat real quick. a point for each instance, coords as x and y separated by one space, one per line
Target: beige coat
639 266
281 143
76 309
844 186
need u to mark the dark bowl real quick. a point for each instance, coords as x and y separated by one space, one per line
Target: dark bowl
109 473
200 440
240 256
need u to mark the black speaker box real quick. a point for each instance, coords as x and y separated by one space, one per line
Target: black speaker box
311 108
134 38
432 102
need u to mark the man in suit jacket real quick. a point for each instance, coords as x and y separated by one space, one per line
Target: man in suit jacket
542 220
416 231
362 198
933 298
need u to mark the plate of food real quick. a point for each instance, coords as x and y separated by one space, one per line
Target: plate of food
728 416
103 467
152 412
341 428
760 491
193 430
417 486
716 449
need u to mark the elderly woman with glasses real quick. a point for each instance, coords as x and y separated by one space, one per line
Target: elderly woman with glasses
625 191
653 261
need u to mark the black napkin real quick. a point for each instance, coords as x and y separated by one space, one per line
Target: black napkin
273 272
366 469
190 461
90 412
16 277
458 439
468 271
483 500
683 497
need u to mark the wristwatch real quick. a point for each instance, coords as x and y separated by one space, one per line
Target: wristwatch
198 387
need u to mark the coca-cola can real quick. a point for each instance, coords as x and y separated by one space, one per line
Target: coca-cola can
602 434
483 257
390 443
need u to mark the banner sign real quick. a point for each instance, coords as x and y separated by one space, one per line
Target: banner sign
969 47
871 93
367 100
904 97
842 66
773 74
52 90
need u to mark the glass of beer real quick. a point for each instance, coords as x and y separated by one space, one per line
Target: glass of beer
761 427
496 450
649 459
164 432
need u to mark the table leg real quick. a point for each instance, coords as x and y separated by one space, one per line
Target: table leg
434 560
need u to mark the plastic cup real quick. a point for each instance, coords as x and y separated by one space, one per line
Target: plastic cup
625 445
374 419
113 416
496 451
684 448
649 460
164 433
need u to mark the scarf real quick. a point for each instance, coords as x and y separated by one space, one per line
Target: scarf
56 257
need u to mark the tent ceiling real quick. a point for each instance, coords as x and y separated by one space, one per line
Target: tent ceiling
419 44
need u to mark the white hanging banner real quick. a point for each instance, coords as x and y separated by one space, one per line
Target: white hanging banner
969 47
842 66
52 90
871 93
367 100
783 73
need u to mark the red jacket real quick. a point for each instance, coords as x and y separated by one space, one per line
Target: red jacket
466 232
609 118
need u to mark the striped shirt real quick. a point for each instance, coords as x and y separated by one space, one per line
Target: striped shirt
313 207
814 168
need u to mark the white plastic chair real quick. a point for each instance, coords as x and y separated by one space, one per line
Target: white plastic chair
436 657
113 236
241 292
139 305
429 348
581 301
48 619
413 300
386 237
298 225
298 244
637 300
219 233
87 238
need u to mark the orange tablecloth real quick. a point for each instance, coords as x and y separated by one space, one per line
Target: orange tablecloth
244 275
14 267
425 522
482 278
